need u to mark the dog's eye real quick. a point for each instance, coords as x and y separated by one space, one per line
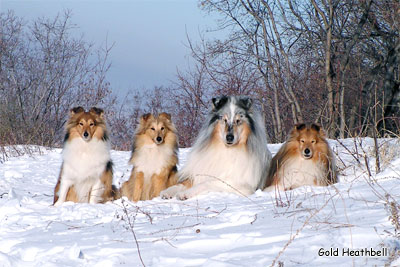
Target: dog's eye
81 124
225 120
91 124
153 129
162 128
313 142
238 121
302 140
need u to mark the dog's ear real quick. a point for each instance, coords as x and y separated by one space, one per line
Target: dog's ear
322 133
299 126
245 102
97 111
319 129
146 117
218 102
315 127
165 115
295 130
76 110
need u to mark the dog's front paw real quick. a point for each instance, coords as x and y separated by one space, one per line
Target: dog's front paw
58 203
183 195
168 193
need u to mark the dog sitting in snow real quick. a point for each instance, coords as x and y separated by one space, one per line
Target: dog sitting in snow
154 158
304 159
86 172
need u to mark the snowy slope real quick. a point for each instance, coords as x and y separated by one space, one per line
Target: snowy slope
217 229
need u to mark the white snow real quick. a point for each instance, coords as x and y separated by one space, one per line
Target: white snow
218 229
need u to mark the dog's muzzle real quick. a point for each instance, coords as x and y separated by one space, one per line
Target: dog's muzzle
159 140
86 136
229 139
307 154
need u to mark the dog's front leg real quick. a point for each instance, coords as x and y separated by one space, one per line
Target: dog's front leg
158 183
96 193
193 191
62 193
138 186
170 192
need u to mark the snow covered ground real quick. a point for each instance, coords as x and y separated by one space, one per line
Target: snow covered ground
217 229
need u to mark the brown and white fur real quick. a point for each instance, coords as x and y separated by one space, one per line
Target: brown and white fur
86 172
154 158
304 159
230 153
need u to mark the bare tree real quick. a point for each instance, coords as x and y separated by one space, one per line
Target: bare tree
43 72
324 59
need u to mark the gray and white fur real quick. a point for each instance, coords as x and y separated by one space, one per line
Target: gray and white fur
230 153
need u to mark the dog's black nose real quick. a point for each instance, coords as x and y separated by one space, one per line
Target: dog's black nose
307 151
85 134
229 138
159 139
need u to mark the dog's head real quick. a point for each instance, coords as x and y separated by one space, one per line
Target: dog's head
308 138
85 124
232 117
156 127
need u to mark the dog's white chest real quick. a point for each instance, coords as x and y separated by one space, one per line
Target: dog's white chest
82 160
299 171
230 165
151 159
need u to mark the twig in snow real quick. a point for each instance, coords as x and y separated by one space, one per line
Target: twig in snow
255 218
300 229
350 152
132 230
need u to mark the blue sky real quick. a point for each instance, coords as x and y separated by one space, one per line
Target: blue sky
149 35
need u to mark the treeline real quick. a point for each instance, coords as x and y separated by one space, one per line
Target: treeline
43 71
331 62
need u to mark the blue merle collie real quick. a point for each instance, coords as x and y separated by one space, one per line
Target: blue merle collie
229 155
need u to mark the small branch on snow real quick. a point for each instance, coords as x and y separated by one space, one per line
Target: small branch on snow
174 229
131 224
255 218
300 229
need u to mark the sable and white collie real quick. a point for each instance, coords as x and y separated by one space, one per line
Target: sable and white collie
86 172
229 155
304 159
154 158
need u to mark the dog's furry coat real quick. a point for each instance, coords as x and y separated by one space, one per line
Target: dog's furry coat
304 159
230 153
86 171
154 158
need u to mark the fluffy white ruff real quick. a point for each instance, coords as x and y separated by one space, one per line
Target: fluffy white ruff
152 159
297 172
218 168
83 164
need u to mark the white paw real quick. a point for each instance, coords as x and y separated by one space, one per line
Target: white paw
183 195
58 203
168 193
